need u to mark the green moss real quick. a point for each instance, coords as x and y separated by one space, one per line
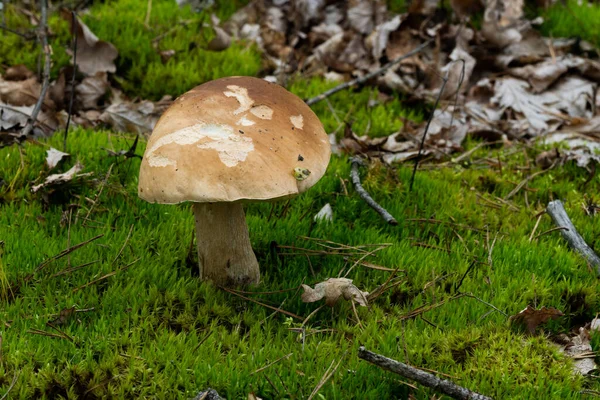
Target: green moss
573 19
156 331
139 65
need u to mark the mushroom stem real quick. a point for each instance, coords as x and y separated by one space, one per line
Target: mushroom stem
225 253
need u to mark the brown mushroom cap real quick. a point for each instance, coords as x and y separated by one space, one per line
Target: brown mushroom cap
237 138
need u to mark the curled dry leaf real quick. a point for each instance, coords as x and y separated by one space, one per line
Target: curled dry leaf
15 117
93 55
332 290
222 40
135 117
325 214
18 73
59 179
531 318
53 157
91 90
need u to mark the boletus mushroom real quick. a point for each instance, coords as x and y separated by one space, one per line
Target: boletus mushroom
226 142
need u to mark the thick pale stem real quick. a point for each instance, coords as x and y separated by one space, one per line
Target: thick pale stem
225 254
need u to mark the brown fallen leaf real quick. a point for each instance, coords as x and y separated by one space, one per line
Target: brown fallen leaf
53 157
531 318
64 316
222 40
135 117
18 73
22 93
58 179
91 90
93 55
332 290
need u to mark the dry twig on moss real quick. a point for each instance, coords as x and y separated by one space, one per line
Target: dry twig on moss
424 378
363 79
354 175
43 37
559 215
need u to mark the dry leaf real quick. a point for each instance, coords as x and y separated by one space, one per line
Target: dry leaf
16 117
93 55
325 214
531 318
92 89
135 117
53 157
59 179
64 316
332 290
18 73
222 40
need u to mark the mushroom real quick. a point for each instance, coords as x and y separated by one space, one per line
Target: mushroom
226 142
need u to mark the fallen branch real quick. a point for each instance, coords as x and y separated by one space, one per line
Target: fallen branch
43 35
355 161
557 212
363 79
424 378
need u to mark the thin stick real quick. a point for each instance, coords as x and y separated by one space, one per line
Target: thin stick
12 385
418 158
98 194
556 228
387 217
526 180
43 35
365 78
107 275
74 33
557 212
272 363
539 218
326 377
262 304
424 378
63 253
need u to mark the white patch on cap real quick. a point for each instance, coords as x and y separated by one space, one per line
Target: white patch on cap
232 150
245 121
241 95
231 147
297 121
262 111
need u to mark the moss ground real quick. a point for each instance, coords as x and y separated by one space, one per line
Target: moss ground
153 330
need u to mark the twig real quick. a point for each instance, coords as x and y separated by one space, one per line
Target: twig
107 275
270 364
557 212
262 304
424 378
43 35
526 181
74 33
326 376
539 218
63 253
12 385
556 228
365 78
98 194
355 161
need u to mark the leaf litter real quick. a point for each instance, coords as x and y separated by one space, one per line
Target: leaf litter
504 79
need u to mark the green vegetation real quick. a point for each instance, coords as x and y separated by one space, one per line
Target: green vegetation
573 19
139 64
153 330
156 331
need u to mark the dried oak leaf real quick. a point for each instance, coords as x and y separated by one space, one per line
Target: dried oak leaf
53 157
16 117
18 73
64 316
93 55
135 117
531 318
22 93
92 89
578 348
59 179
332 290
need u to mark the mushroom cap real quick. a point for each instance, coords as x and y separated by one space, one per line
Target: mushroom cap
231 139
